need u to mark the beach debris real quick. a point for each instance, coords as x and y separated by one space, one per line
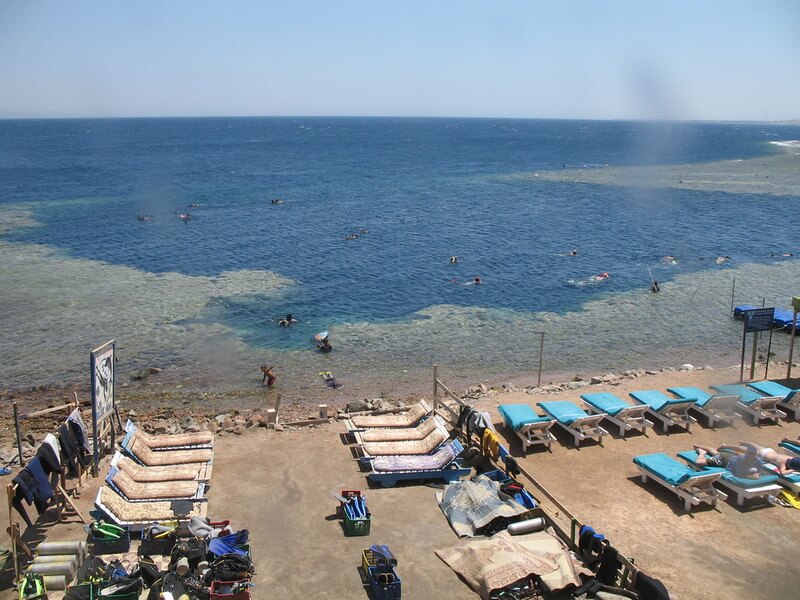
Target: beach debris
687 367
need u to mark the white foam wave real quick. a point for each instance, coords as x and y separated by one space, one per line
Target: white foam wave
787 144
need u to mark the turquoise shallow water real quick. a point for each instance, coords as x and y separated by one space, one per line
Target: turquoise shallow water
510 198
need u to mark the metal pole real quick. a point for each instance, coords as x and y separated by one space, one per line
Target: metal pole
733 291
541 358
744 342
95 428
753 355
19 436
435 389
769 348
791 345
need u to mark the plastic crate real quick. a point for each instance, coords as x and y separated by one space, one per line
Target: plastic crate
356 527
384 583
367 560
220 590
94 592
102 545
156 546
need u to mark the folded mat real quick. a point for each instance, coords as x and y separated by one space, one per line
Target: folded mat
201 438
517 416
400 434
564 412
492 564
168 457
606 402
431 462
143 474
123 511
656 399
423 446
406 419
164 490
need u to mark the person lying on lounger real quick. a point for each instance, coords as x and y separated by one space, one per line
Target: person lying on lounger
784 462
740 460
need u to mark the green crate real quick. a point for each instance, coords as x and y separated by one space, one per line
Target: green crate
354 527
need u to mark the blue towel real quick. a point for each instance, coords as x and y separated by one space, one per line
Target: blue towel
218 547
747 396
771 388
666 468
655 398
606 402
517 415
563 412
691 393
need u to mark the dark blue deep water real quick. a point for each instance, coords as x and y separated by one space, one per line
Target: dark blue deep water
425 189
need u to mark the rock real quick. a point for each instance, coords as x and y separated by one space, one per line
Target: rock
239 430
187 422
356 406
278 427
161 427
651 372
484 390
577 377
214 427
687 367
596 380
377 403
239 421
132 414
221 418
255 421
227 424
550 388
574 385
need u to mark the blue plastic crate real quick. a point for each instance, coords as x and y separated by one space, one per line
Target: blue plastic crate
384 583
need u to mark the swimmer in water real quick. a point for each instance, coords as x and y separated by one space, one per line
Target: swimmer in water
573 252
144 217
288 321
670 260
601 277
477 281
324 346
453 260
722 259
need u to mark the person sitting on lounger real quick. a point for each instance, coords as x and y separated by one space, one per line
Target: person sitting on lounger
742 461
784 462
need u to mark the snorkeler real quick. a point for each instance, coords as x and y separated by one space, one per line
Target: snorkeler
194 205
477 281
453 260
324 345
670 260
288 321
277 201
722 259
185 217
600 277
574 252
143 217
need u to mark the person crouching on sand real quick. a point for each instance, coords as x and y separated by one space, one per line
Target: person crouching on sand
269 376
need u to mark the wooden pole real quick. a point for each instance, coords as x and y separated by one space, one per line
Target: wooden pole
11 526
791 344
541 359
435 390
744 343
19 436
753 355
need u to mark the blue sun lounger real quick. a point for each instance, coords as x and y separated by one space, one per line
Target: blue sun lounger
757 405
530 427
670 411
744 488
444 464
625 416
790 402
691 486
575 420
790 446
715 407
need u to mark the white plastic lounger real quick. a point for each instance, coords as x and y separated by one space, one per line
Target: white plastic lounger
625 416
758 406
670 411
790 403
791 446
406 419
714 407
745 489
693 487
575 420
530 427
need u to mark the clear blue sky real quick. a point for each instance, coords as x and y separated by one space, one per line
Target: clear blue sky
681 59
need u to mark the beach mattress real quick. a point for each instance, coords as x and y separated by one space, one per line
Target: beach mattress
564 412
665 467
747 396
434 462
771 388
656 399
606 402
518 415
794 447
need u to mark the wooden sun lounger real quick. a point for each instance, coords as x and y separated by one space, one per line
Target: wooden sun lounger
407 419
629 417
407 434
135 491
695 490
581 427
424 446
175 441
137 472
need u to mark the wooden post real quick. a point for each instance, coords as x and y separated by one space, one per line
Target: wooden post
323 411
12 526
435 390
19 436
769 350
733 291
277 408
541 358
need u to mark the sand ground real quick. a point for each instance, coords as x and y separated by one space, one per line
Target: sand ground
279 484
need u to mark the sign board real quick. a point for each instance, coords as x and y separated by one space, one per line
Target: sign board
758 319
796 302
101 363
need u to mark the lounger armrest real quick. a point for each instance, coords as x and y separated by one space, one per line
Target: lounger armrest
766 402
536 426
588 420
632 412
701 479
678 407
717 402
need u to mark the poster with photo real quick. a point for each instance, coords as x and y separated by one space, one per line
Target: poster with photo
102 362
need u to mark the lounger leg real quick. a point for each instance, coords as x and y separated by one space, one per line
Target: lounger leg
687 504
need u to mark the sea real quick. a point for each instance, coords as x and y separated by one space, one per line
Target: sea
188 240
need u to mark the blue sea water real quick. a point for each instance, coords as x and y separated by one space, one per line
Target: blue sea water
423 189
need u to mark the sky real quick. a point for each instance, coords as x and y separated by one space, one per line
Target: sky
616 59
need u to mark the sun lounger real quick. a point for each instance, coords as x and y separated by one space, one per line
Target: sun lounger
142 474
424 446
670 411
443 464
139 515
406 419
625 416
691 486
745 489
397 434
530 427
757 405
575 420
714 407
790 403
176 441
792 448
134 491
142 453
